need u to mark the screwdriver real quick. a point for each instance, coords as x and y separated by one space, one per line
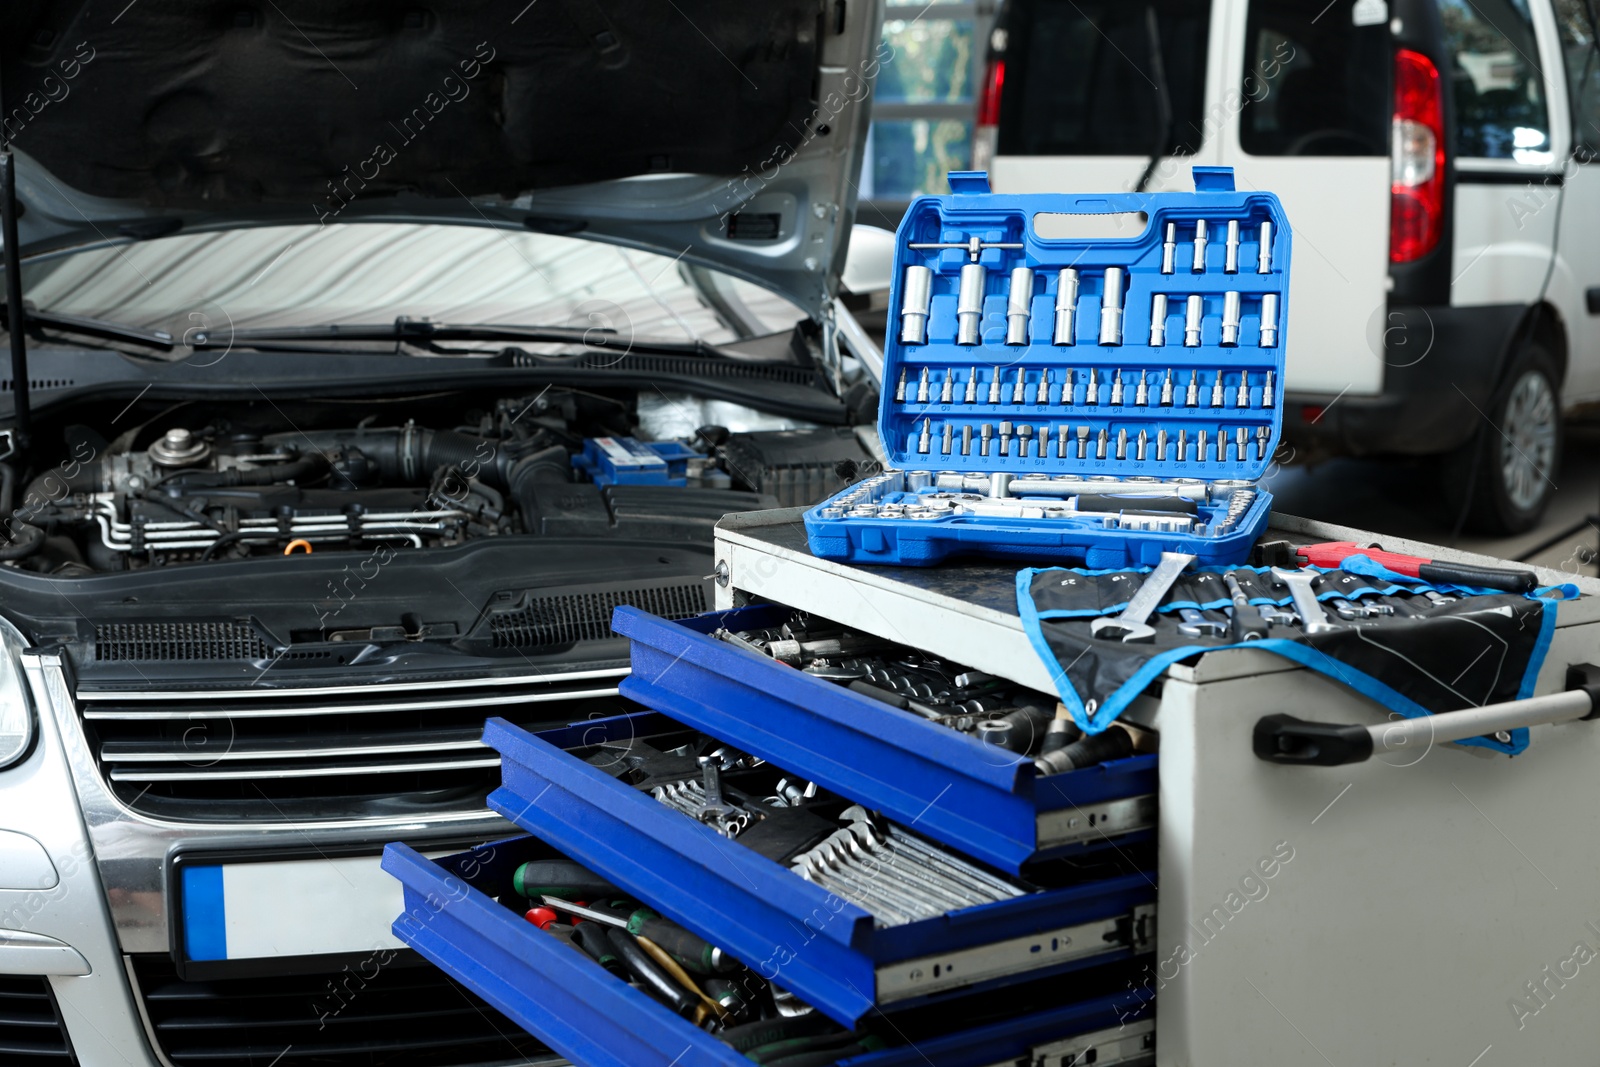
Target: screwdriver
691 951
677 974
562 878
656 981
1247 625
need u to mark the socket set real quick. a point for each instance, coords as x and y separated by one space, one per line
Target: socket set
1019 368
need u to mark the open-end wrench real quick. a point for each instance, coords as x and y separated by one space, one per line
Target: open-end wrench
1302 587
1195 624
1347 609
1131 625
1273 615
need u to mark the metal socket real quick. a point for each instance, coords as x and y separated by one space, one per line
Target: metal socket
1169 250
1111 307
1199 247
917 295
1019 305
1158 320
1230 318
1264 257
1269 320
1191 321
1066 306
969 303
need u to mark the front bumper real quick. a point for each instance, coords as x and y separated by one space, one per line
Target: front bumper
1441 366
107 901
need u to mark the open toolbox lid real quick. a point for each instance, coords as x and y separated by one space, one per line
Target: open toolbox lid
1046 332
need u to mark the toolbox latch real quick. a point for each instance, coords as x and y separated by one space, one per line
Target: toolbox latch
965 182
1213 179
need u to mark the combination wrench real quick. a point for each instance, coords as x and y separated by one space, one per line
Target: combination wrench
1195 624
1302 587
1132 624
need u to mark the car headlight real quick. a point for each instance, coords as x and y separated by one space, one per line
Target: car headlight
16 710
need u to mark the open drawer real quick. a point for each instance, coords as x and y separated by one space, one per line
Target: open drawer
832 953
989 803
583 1012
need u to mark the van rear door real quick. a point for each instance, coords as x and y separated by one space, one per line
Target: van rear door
1294 96
1310 84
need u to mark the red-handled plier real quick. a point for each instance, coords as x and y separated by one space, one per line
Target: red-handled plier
1334 553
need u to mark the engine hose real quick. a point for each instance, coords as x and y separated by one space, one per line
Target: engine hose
272 474
25 541
552 466
409 455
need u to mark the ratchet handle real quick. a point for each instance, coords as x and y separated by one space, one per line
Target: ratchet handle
1104 502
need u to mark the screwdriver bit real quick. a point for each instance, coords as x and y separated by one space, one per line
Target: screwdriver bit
986 432
1143 443
1191 398
1161 445
1116 389
1083 442
1100 446
922 387
1183 446
949 384
1166 389
923 443
1024 440
1243 399
1005 438
1241 440
948 443
1216 392
1044 388
972 387
1061 441
1262 435
1141 395
966 440
1266 392
1017 389
994 387
1093 395
1122 443
1200 446
900 388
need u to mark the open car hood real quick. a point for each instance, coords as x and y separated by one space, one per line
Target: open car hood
723 131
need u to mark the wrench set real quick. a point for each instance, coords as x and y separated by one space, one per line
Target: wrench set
1157 356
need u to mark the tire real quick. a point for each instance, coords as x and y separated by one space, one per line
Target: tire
1518 452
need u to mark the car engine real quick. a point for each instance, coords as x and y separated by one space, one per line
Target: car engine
194 483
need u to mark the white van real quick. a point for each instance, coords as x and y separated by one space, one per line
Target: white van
1440 164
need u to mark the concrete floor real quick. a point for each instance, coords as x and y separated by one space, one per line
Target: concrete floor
1404 498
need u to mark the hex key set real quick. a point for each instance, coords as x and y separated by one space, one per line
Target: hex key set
1020 366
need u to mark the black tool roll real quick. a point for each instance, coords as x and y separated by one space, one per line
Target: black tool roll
1421 657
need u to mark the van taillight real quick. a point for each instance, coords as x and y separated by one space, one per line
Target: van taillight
1416 200
986 131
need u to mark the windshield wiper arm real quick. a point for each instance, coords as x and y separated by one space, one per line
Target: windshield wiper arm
422 332
90 327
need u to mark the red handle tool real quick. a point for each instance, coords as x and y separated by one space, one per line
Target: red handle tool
1333 553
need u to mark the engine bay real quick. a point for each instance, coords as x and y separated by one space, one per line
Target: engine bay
159 483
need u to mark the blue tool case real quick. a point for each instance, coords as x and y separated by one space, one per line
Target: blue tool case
1094 399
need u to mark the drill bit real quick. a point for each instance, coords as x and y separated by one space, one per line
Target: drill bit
1141 395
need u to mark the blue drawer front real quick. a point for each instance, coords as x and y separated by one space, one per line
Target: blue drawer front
824 949
978 798
570 1003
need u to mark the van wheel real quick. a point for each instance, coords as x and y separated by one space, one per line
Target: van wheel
1518 454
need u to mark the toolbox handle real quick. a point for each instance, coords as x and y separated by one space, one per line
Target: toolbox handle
1288 740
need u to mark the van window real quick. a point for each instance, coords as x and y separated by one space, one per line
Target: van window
1494 75
1578 24
1079 77
1317 83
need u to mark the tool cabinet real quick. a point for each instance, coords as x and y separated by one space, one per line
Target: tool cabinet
1415 901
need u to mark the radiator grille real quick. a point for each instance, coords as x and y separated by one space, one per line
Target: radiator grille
30 1029
324 753
179 641
401 1016
562 620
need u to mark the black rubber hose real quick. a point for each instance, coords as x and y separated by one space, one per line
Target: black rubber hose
295 470
409 456
25 541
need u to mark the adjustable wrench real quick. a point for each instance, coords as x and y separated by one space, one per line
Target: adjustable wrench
1302 587
1132 624
1195 624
